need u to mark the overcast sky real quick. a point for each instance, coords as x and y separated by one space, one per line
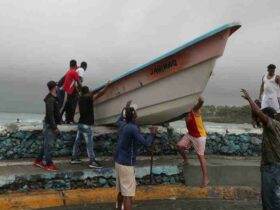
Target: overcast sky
39 37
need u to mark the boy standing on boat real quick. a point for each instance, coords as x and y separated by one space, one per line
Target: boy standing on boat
270 89
270 163
50 130
125 157
196 137
85 126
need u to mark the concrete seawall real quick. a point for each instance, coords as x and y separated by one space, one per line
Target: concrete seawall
25 142
232 160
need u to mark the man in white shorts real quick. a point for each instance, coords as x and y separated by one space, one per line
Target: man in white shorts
196 137
129 139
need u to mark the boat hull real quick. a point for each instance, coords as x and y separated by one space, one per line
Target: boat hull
161 101
166 87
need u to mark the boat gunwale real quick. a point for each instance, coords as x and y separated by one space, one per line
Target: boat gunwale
234 26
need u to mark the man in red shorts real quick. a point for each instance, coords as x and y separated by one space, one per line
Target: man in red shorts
196 137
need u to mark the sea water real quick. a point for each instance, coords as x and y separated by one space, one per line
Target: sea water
6 118
179 126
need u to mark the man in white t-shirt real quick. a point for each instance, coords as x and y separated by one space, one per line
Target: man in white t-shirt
81 70
270 89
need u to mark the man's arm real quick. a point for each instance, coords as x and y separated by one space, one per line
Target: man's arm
199 104
120 120
77 79
79 84
61 81
50 113
261 90
101 92
254 107
277 79
140 139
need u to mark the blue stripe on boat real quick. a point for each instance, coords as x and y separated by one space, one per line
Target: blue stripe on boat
172 52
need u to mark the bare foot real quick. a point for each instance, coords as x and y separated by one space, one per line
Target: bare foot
205 183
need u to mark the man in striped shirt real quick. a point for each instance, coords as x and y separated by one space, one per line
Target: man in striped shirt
196 137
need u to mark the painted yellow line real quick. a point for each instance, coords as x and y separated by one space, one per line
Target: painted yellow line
33 200
44 199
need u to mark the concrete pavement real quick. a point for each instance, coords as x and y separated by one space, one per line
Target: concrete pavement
174 205
26 187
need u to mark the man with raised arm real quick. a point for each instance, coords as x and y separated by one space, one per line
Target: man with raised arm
86 122
196 137
270 161
125 157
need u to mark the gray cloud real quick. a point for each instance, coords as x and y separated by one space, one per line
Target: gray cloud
38 38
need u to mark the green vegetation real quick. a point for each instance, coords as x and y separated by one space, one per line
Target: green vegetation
227 114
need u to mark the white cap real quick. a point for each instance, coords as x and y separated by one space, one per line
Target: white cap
134 106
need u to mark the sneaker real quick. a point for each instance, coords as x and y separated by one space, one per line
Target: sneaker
51 168
39 163
95 164
75 161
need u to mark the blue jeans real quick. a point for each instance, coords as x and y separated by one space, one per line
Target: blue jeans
86 132
270 178
46 150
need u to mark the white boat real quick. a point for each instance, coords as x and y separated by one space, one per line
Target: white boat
166 87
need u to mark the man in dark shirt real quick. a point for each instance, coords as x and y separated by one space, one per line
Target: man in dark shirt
270 163
85 126
50 129
125 157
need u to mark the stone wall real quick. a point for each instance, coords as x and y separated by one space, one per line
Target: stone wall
87 178
27 144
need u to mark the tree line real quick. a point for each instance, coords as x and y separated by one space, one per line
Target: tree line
227 114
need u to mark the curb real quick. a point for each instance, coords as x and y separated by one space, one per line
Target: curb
45 199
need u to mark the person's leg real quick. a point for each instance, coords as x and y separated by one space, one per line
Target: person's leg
48 141
68 109
205 180
275 187
74 103
127 184
62 103
182 152
71 107
266 184
199 146
89 142
127 202
119 201
182 146
39 160
41 154
118 188
76 144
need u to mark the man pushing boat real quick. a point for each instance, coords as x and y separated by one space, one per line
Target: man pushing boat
196 137
125 157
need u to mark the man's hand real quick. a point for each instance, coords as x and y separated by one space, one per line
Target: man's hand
154 130
128 103
200 99
56 131
245 94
